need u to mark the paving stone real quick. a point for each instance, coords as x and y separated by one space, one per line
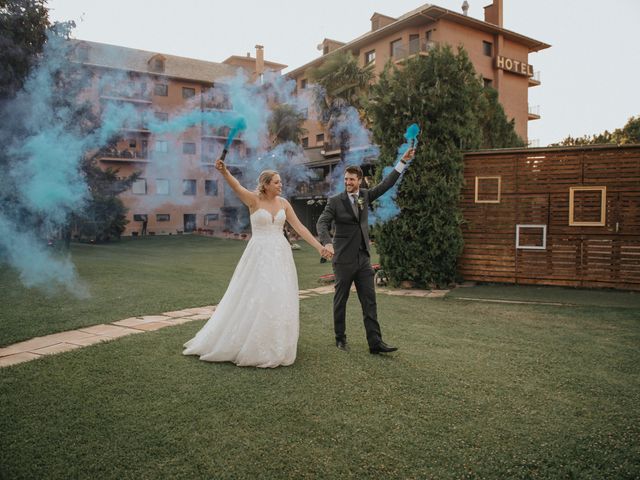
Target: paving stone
323 290
58 348
69 336
10 350
92 340
33 344
154 318
438 293
131 322
180 321
201 316
17 358
177 314
150 326
112 331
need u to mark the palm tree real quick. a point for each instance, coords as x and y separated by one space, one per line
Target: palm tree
285 124
343 83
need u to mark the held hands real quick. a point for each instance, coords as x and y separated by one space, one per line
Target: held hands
327 251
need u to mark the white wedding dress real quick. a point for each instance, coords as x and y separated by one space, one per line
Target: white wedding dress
257 321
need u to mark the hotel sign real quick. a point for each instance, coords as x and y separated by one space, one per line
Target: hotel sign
514 66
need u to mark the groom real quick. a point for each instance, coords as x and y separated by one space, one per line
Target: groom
349 212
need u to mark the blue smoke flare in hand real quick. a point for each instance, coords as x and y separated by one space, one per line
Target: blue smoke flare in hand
412 132
240 124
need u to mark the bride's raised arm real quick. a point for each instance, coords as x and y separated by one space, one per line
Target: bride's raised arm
250 199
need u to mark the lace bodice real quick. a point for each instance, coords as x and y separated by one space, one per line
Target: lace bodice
263 223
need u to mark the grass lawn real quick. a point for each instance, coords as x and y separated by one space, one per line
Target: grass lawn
478 390
134 277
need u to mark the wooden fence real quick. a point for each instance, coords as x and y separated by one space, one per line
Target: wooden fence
553 216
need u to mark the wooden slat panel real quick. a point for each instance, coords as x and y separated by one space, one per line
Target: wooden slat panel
535 190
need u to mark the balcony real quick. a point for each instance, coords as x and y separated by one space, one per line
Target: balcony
133 92
136 127
534 112
216 105
112 154
409 50
534 80
219 133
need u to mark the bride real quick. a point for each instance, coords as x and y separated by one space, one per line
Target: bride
256 323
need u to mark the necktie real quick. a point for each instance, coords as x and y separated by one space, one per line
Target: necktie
354 203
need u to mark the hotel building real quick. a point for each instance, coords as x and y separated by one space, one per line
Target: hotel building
499 55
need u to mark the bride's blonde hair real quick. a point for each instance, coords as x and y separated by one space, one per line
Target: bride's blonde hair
265 179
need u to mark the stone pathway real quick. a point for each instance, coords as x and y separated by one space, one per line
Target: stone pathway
82 337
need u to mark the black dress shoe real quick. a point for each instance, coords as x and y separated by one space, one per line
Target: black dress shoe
381 347
342 345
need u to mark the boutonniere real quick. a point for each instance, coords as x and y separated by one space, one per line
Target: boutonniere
360 203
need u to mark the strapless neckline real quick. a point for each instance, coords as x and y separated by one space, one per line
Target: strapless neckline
273 217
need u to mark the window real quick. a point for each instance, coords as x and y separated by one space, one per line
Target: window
189 148
132 143
162 186
162 116
320 139
210 218
305 142
369 57
139 187
161 89
188 187
396 48
487 48
304 112
188 92
211 188
428 35
162 146
140 217
157 65
163 217
303 83
414 43
488 83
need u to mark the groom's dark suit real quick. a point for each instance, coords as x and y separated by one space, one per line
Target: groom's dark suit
351 261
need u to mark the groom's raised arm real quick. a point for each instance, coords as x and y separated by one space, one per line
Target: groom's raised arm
324 223
388 181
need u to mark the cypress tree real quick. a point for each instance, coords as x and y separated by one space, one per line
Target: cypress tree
444 95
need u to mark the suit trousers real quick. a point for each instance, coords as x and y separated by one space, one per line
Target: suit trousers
361 273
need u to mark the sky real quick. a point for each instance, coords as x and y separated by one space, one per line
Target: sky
589 75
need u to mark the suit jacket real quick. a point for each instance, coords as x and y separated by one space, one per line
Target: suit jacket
350 231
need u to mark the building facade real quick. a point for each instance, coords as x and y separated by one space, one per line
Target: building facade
179 189
499 55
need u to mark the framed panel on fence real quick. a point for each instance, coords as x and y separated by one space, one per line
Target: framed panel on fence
531 237
488 189
587 206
